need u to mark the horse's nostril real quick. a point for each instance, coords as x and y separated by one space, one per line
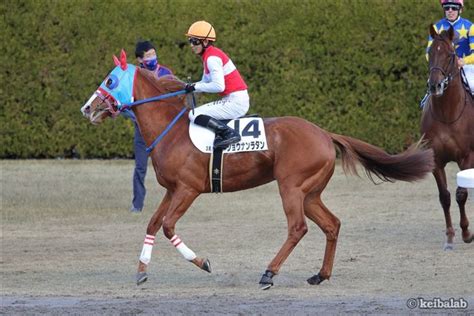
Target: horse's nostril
86 109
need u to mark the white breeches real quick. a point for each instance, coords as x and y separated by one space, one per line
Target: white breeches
469 71
229 107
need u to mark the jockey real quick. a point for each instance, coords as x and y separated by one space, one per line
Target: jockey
219 76
463 40
145 53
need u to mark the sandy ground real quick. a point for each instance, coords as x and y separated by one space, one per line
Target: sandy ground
70 246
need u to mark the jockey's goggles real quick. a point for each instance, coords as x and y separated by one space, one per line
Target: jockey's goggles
194 41
453 7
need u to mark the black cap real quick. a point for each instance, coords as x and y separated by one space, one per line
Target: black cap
142 47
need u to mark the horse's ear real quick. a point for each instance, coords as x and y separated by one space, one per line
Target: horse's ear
116 60
433 32
123 60
451 33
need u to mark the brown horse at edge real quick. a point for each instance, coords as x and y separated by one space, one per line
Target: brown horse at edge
301 157
448 125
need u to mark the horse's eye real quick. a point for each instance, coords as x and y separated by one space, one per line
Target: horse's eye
111 82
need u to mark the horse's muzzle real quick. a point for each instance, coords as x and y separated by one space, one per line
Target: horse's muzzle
86 110
437 89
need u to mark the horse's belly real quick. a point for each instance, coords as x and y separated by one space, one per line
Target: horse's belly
247 170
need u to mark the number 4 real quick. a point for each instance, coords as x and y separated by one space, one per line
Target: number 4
251 129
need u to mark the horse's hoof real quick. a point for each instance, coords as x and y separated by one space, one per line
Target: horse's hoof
141 277
448 246
264 287
266 281
315 279
468 240
206 265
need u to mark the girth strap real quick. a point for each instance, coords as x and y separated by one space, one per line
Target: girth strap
215 170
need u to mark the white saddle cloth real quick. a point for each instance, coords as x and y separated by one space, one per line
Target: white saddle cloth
251 129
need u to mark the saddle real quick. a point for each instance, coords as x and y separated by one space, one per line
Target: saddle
253 138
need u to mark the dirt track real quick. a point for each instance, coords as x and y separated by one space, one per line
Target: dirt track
69 245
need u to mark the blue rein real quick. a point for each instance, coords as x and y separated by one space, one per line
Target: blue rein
152 99
167 129
158 98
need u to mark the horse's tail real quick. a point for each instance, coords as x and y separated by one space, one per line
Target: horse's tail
411 165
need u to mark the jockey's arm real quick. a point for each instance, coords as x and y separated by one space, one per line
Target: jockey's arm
216 75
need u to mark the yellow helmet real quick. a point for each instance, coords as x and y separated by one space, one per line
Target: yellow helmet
202 30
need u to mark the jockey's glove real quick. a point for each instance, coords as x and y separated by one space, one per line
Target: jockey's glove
189 87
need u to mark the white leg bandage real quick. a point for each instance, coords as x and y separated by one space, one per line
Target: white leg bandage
187 253
145 256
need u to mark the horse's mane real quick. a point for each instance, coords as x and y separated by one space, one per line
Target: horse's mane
163 84
166 84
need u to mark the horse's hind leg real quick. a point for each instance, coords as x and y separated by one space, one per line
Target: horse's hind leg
153 226
445 200
330 225
293 206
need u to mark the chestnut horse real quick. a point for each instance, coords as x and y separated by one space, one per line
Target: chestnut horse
448 125
300 157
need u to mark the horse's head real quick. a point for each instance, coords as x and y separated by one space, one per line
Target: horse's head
442 61
115 91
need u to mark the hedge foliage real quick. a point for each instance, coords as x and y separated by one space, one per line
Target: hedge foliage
354 67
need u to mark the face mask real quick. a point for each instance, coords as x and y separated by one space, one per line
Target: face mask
151 63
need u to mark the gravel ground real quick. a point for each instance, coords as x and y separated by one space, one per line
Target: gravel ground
70 246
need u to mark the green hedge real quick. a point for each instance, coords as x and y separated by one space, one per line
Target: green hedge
353 67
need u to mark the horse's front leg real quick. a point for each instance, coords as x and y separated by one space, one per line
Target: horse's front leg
445 200
181 201
154 226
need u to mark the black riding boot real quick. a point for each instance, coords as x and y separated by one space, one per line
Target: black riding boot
225 135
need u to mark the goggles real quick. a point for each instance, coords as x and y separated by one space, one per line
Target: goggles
194 41
453 7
